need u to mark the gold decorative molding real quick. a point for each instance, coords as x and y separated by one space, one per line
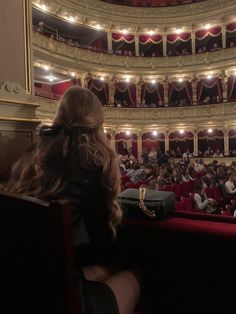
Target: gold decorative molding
16 104
114 17
11 92
84 60
193 117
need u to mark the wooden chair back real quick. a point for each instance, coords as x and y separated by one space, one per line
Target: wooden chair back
37 258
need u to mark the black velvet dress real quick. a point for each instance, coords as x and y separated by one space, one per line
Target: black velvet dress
92 236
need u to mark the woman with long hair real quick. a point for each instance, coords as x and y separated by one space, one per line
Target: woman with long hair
73 160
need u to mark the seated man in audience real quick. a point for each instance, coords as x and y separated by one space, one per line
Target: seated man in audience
208 179
141 174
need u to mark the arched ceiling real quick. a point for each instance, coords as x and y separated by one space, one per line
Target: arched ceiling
151 3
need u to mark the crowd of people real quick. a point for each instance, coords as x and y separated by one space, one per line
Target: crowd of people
159 171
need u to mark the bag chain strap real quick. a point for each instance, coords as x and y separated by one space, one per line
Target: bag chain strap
142 206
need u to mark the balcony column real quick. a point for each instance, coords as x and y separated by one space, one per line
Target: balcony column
166 91
136 38
164 40
138 93
226 142
195 143
113 141
111 92
194 83
223 30
167 142
224 81
109 42
139 144
85 79
193 39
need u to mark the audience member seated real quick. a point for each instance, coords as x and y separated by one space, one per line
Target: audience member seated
208 205
208 152
187 154
230 184
143 104
206 100
178 152
125 104
152 156
141 174
218 154
73 161
215 47
161 103
208 179
185 52
130 53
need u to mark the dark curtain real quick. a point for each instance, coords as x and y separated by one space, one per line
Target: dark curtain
125 95
232 142
231 88
209 91
124 142
179 44
214 140
123 44
183 141
180 94
208 40
231 35
100 89
150 46
152 94
150 141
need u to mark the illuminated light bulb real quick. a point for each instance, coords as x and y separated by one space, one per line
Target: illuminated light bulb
46 67
124 31
178 31
209 76
154 133
210 130
207 26
73 74
151 32
98 26
180 80
127 132
51 78
105 131
153 81
181 131
127 79
102 78
44 7
71 18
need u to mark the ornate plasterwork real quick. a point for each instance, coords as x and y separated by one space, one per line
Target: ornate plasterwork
15 103
135 18
165 118
13 92
85 60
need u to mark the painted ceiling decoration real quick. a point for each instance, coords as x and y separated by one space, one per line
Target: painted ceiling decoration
151 3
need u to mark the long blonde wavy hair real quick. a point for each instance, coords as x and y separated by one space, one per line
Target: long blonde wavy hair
80 109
